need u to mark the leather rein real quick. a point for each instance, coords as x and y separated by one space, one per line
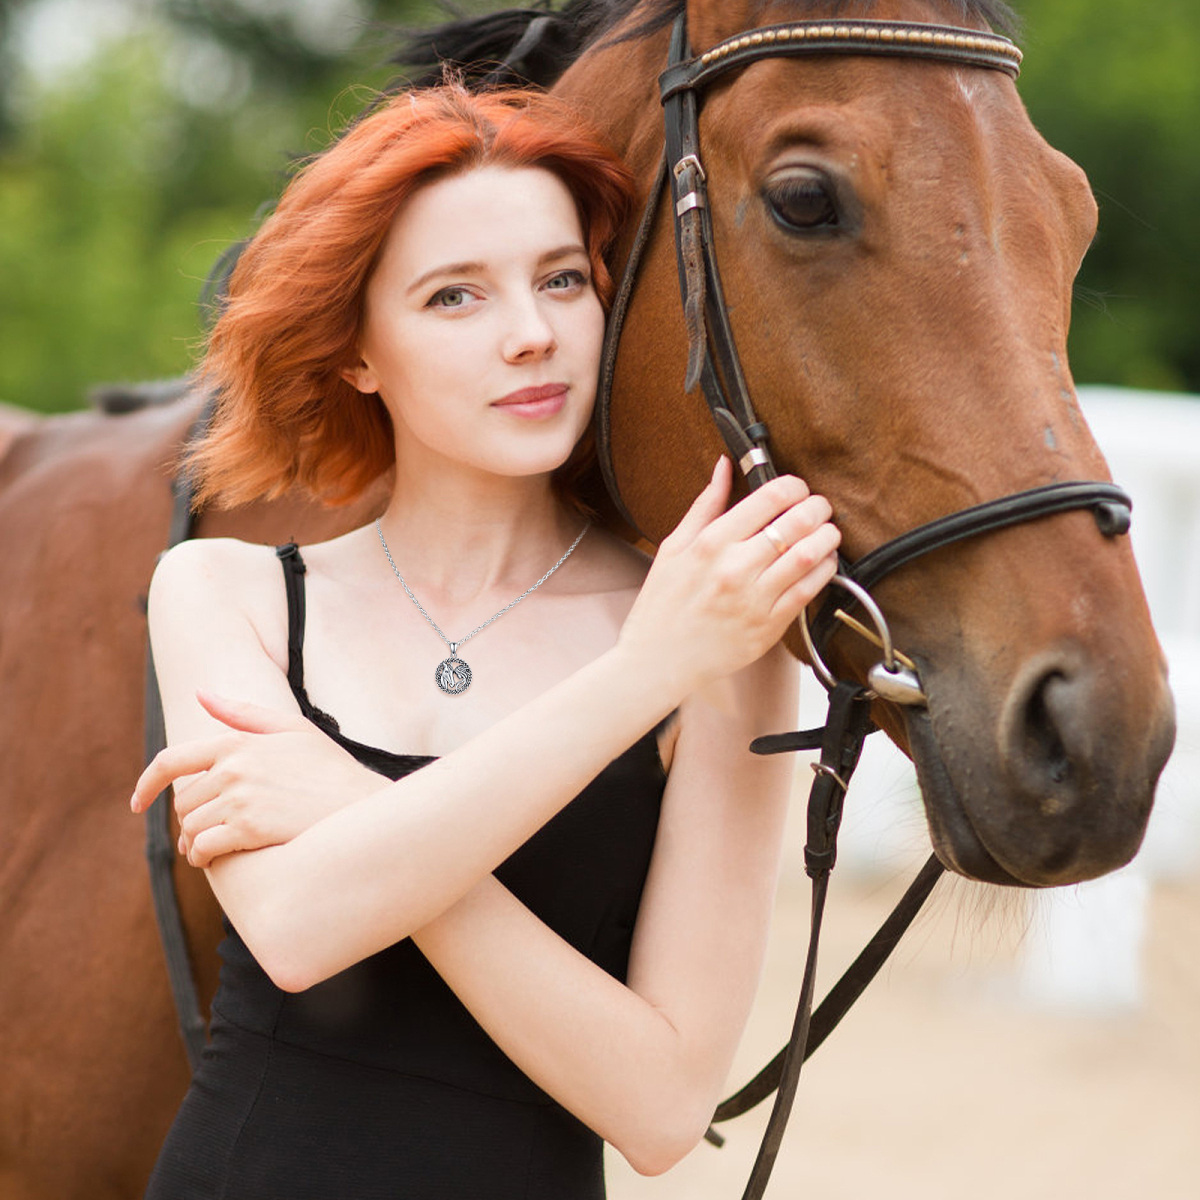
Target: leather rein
713 362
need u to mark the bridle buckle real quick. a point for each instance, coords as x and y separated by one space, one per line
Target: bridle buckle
692 162
694 196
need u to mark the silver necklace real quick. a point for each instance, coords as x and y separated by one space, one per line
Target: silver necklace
453 675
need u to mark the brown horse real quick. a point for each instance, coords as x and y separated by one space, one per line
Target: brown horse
908 352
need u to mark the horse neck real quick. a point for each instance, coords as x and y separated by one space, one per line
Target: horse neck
616 84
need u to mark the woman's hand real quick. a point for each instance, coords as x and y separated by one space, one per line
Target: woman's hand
269 778
725 586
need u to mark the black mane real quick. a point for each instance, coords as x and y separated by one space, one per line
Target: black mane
536 45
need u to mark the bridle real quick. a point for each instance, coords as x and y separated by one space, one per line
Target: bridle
713 362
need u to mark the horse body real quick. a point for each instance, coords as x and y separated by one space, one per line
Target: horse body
94 1068
909 364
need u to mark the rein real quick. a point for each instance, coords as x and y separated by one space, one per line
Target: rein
713 362
160 847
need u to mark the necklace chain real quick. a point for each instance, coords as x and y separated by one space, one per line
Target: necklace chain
495 616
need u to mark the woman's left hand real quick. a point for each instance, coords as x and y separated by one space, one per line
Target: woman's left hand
270 777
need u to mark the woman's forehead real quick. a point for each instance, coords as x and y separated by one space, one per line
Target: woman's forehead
487 215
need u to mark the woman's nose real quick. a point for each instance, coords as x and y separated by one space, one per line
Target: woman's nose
530 335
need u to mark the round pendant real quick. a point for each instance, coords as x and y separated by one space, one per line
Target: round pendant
453 675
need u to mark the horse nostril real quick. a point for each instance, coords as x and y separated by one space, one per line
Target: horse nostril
1043 746
1045 742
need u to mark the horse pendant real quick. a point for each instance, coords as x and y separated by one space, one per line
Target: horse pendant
453 675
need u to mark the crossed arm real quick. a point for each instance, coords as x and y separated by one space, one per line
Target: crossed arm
642 1063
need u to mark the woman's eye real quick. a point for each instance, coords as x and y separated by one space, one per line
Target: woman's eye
802 200
563 281
449 297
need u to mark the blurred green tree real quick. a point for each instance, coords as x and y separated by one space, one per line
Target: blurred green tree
125 172
1116 87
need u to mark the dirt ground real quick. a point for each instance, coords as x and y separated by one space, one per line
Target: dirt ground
945 1082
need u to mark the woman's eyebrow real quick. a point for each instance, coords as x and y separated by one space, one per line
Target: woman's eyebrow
570 250
457 268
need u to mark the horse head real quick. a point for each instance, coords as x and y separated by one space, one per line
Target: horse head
898 245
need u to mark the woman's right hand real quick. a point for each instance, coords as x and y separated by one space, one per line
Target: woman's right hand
722 590
265 780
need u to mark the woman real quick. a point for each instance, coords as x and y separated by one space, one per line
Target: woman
535 921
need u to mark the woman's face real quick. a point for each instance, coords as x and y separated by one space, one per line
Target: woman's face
482 331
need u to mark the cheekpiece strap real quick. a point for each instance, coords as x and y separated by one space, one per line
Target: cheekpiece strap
712 352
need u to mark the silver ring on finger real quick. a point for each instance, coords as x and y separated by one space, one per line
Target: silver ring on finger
776 539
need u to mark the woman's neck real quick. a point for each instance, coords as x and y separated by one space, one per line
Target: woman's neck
467 538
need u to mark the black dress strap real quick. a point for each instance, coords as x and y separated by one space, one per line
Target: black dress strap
293 580
386 762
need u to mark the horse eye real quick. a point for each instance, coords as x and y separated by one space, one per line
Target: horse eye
802 200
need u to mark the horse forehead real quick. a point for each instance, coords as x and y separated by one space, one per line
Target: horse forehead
874 113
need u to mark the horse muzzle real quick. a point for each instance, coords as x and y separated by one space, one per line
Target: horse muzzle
1055 787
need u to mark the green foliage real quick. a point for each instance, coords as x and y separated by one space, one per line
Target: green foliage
1116 87
122 182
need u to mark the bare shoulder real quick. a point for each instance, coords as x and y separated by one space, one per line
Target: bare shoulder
221 571
207 587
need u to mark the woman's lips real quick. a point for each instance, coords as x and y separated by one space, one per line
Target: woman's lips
543 401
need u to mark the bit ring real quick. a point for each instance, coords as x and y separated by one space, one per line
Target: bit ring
864 598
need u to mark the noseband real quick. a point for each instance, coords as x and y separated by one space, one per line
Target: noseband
713 362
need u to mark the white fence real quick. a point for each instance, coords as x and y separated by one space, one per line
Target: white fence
1083 947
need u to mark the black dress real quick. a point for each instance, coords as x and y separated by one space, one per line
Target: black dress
378 1084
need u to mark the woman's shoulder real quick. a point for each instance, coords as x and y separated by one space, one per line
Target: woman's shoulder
213 564
208 586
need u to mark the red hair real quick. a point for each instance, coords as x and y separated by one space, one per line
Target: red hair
285 418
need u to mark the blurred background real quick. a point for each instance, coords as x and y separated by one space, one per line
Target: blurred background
139 137
1044 1045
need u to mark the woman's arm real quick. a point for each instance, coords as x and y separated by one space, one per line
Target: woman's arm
644 1064
388 864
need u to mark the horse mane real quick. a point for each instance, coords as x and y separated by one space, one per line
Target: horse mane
520 45
537 45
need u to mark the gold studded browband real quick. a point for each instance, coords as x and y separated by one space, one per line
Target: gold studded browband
946 43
